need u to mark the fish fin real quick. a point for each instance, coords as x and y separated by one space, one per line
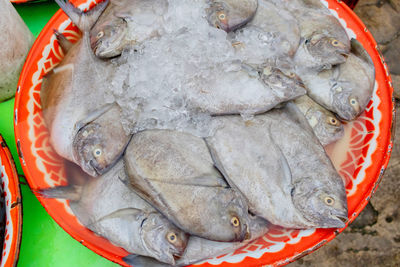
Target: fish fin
93 116
83 20
63 41
142 261
45 91
205 181
219 166
283 163
298 116
118 214
125 15
358 49
313 4
72 193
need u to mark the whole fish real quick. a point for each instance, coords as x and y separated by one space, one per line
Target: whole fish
82 128
109 208
199 249
126 22
230 15
347 88
174 172
263 158
247 156
246 90
272 33
16 40
320 194
324 42
326 126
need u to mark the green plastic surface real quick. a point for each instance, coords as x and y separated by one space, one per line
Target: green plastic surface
44 243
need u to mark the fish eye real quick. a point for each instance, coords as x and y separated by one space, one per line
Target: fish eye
353 102
100 34
97 152
335 42
333 121
221 16
171 237
329 201
291 74
235 221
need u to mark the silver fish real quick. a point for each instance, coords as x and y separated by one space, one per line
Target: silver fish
174 172
124 23
16 40
324 42
199 249
109 208
82 128
247 156
326 126
247 90
230 15
320 193
272 33
347 88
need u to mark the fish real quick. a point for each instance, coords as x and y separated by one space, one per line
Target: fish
199 249
324 42
263 159
109 208
245 153
175 173
126 23
346 89
320 194
272 33
83 127
229 15
326 126
244 90
16 41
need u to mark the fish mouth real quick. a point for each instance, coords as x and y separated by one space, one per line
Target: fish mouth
244 234
340 219
176 257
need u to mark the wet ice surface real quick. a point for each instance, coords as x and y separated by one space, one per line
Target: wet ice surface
175 80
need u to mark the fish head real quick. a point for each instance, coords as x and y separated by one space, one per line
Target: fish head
233 220
109 39
231 15
283 81
323 205
218 16
327 127
162 239
327 50
352 87
347 105
97 147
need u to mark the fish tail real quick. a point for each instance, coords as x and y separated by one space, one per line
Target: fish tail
63 41
83 20
72 193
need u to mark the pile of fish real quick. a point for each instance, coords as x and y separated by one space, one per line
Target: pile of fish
189 127
16 40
